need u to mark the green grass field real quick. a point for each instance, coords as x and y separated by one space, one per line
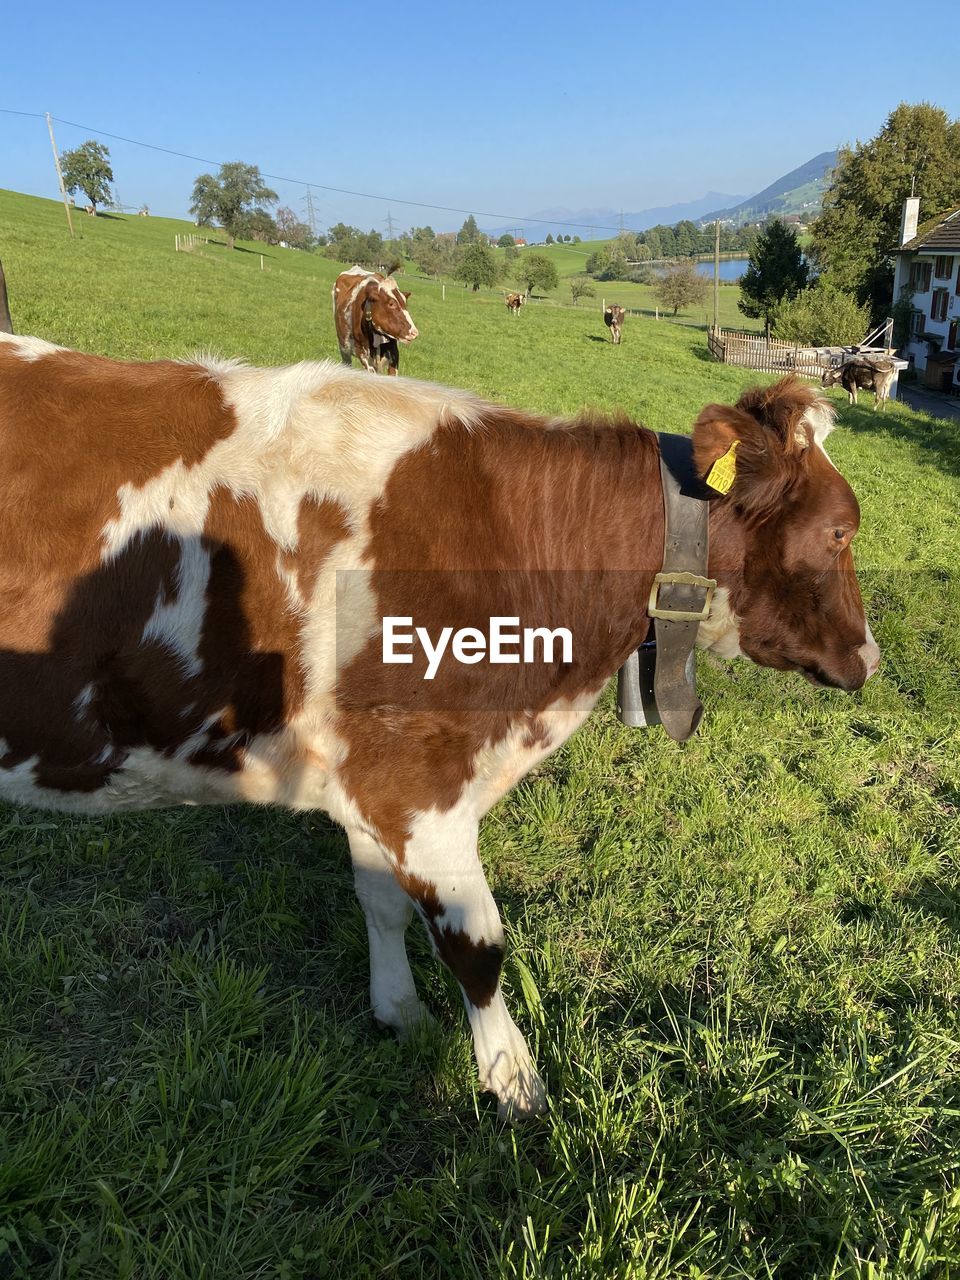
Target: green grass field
570 260
737 960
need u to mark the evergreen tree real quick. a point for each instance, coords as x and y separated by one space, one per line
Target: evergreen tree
469 233
776 271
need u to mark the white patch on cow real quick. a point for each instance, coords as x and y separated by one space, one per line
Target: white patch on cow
178 624
720 633
30 348
147 779
870 653
388 910
820 418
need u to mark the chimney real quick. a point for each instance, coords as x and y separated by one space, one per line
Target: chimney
911 216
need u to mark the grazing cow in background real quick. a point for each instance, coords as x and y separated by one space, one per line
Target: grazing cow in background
514 302
613 319
200 564
371 318
864 373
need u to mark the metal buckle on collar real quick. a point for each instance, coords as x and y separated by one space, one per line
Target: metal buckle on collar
681 580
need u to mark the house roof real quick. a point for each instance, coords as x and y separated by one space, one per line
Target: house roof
939 235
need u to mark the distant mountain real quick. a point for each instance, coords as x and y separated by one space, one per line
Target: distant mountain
573 221
799 191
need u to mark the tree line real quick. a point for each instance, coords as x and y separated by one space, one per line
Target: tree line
843 285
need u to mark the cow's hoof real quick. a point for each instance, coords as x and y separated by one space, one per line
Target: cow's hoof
406 1019
522 1097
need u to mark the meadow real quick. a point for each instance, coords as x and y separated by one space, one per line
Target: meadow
737 960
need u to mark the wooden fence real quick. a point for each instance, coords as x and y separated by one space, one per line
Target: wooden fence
767 355
187 242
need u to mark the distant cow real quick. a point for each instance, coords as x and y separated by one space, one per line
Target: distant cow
613 319
514 302
371 318
866 373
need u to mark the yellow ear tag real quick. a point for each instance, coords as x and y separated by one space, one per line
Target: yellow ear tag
724 471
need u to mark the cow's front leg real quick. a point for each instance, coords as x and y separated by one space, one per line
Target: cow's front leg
393 995
441 871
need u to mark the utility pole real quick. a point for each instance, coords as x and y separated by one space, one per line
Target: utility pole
311 213
716 274
56 161
389 222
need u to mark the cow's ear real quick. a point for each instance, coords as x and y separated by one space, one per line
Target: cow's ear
406 296
791 411
719 434
738 456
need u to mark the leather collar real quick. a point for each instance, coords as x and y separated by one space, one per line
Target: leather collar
657 684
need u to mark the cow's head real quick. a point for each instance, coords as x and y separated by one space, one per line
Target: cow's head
781 538
386 307
831 376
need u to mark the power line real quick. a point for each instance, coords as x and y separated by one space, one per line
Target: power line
303 182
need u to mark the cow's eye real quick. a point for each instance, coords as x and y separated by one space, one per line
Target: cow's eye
839 534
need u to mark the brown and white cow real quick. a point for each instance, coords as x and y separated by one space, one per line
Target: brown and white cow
371 318
200 562
613 319
864 373
514 302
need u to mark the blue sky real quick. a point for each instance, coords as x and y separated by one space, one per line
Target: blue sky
497 108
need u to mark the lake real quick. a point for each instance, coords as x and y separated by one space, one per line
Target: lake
730 268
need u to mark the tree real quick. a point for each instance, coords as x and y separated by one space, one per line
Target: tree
506 241
477 266
291 230
231 199
576 239
680 285
822 316
549 239
580 287
917 150
534 271
776 271
469 233
350 244
687 238
87 169
260 226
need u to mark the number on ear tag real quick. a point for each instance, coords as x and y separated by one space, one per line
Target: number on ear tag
724 471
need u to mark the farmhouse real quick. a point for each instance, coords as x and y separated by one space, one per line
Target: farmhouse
928 273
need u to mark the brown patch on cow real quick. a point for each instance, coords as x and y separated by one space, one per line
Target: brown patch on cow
475 963
566 523
251 630
81 698
321 524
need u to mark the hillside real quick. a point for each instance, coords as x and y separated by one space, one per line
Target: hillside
798 191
